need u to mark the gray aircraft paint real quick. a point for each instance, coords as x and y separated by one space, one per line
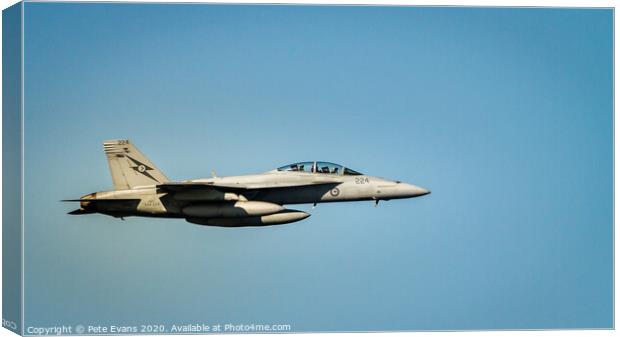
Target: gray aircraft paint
141 189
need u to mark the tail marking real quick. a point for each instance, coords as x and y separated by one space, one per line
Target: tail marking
129 167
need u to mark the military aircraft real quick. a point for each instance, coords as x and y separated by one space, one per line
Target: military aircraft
140 189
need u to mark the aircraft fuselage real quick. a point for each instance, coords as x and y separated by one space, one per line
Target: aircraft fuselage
248 200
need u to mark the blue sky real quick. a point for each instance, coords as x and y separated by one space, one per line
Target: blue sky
505 114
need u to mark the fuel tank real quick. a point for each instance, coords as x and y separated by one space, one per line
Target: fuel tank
280 218
231 209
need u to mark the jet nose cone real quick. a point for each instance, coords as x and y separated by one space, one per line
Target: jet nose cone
424 191
416 191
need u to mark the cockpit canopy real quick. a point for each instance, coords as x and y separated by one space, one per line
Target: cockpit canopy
319 167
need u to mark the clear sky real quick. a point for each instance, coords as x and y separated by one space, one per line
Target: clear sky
505 114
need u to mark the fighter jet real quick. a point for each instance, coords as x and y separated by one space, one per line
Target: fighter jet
141 189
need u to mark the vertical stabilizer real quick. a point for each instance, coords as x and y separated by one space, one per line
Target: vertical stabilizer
129 167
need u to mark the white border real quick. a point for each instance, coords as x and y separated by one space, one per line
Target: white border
482 3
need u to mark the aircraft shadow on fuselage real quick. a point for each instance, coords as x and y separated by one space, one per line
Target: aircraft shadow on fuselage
292 195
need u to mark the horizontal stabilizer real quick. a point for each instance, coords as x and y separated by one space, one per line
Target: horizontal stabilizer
98 200
81 211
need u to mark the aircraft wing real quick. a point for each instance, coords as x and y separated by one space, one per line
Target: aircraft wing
238 187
